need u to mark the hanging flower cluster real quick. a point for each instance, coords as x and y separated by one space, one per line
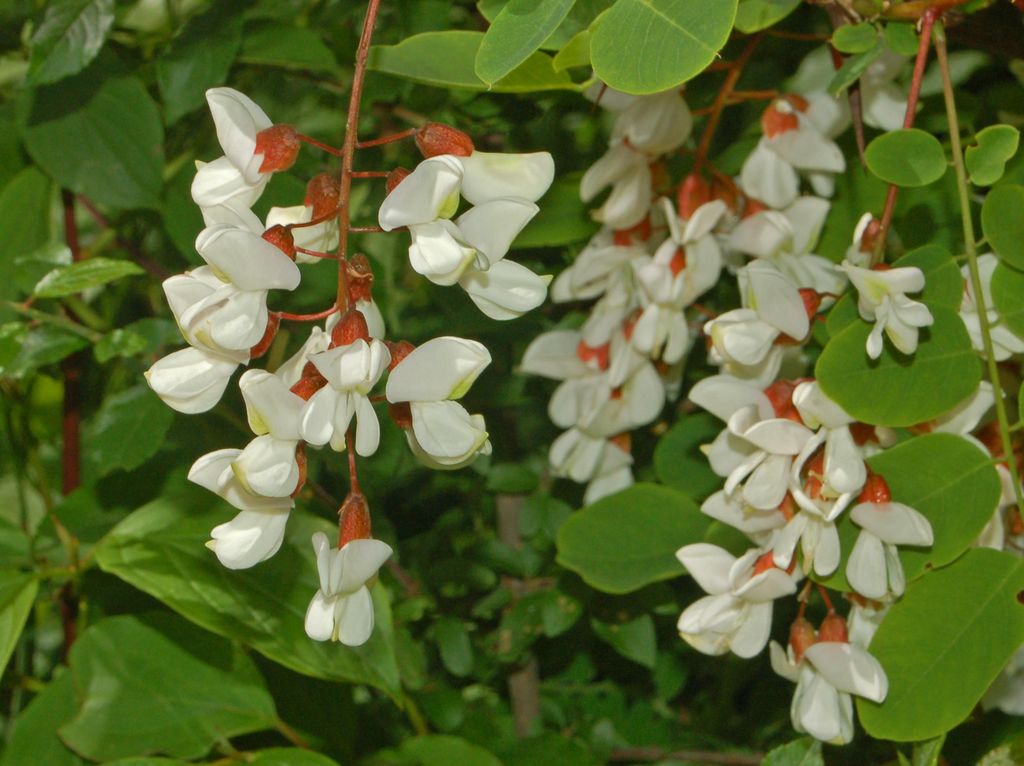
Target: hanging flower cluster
324 395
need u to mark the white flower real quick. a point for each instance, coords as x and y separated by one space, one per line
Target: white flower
737 615
828 673
756 523
238 120
1007 691
597 268
342 609
882 299
1004 342
874 567
220 183
192 380
245 259
628 172
351 372
322 237
215 315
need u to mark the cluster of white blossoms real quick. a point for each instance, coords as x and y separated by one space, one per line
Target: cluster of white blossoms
324 394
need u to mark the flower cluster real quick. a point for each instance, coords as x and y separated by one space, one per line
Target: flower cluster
324 394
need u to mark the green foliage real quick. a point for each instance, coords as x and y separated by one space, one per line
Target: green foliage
76 277
17 594
944 643
516 32
996 146
70 36
1002 224
755 15
802 752
906 157
128 430
855 38
678 460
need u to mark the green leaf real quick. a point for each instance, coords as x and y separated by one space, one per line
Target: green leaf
1003 224
906 157
98 136
563 218
290 756
927 753
575 53
42 345
159 549
896 389
755 15
516 32
855 38
24 222
199 58
629 539
288 47
76 277
446 59
801 752
635 640
987 161
944 643
454 644
679 38
443 750
158 684
17 594
70 36
127 431
678 461
852 69
33 736
142 336
1008 297
902 38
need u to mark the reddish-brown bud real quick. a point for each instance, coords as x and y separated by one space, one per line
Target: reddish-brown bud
354 522
281 238
812 301
752 207
401 414
435 138
351 328
310 382
801 636
273 323
863 433
764 562
599 355
788 507
360 278
876 490
322 194
394 178
626 237
399 351
279 145
833 628
300 460
623 441
869 238
678 261
693 192
775 122
780 394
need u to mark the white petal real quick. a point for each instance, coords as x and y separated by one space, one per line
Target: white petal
866 568
191 380
442 368
238 119
490 176
270 406
428 193
359 561
319 623
752 635
248 260
367 427
490 227
354 618
767 177
267 467
894 523
249 538
709 565
506 290
445 431
849 669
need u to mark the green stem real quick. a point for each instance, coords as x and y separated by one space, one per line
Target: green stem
972 262
419 723
58 321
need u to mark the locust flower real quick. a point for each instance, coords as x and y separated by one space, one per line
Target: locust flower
882 299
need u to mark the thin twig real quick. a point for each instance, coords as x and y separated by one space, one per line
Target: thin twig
707 757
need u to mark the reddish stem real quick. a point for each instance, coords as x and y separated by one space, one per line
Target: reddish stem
307 317
826 599
319 145
316 253
366 229
370 173
313 221
386 139
352 475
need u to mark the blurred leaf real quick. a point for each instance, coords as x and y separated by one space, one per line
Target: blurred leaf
575 53
454 644
547 747
678 39
130 672
906 157
629 539
1003 224
987 161
927 753
944 643
1008 296
516 32
98 134
802 752
852 69
635 640
40 346
289 756
678 461
562 220
76 277
543 513
441 750
24 222
159 549
755 15
514 478
70 36
17 594
127 431
33 736
901 38
289 47
855 38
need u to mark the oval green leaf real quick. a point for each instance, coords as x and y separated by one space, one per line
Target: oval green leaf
629 539
1003 224
987 161
855 38
895 389
678 460
516 32
906 157
679 38
944 643
71 35
755 15
76 277
1008 297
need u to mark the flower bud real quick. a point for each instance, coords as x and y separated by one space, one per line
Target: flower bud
626 237
281 238
273 323
398 351
354 517
360 278
435 138
833 628
279 145
594 355
394 178
801 636
869 237
300 460
764 562
310 382
777 119
322 194
351 328
876 490
780 394
401 414
693 192
812 301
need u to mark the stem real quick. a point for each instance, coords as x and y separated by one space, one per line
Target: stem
316 253
720 100
927 22
370 173
651 754
972 264
313 221
348 150
289 733
386 139
352 475
307 317
366 229
318 144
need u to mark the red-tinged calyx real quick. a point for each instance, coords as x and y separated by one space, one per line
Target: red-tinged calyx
693 192
753 206
279 145
678 261
281 238
869 237
394 178
354 517
778 119
436 138
833 628
788 507
814 481
322 195
876 490
780 394
862 433
398 351
625 237
623 441
401 414
300 459
310 382
597 356
660 178
764 562
812 301
273 323
350 328
629 324
1014 522
801 637
360 279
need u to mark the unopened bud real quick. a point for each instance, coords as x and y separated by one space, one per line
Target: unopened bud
876 490
678 261
360 278
354 522
764 562
780 394
596 355
310 382
801 636
351 328
812 301
693 192
273 323
398 351
322 194
281 238
626 237
401 414
279 145
869 238
435 138
833 628
777 119
394 178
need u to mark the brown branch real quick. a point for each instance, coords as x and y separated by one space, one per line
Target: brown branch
707 757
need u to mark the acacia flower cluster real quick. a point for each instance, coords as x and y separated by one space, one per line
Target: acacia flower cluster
324 395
